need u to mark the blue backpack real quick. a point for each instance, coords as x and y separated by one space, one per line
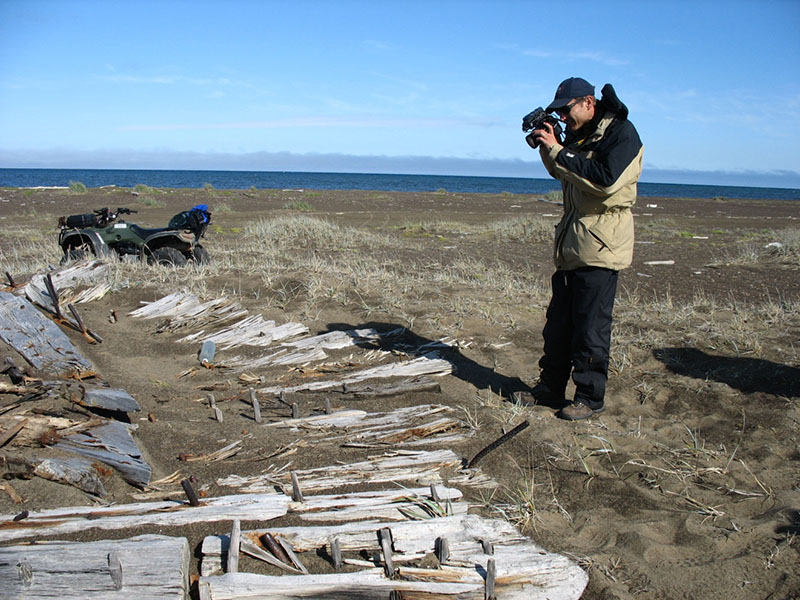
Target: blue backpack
195 219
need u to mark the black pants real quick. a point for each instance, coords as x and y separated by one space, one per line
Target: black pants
577 335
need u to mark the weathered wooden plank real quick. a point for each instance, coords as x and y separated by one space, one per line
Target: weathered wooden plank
152 567
411 538
523 572
108 398
418 466
60 521
407 385
391 505
402 426
429 364
111 443
40 341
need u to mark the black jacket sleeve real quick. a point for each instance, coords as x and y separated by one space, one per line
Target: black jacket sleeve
609 159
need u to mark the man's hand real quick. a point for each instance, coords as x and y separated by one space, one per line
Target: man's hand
546 136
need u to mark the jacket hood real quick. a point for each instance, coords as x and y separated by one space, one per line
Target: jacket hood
612 103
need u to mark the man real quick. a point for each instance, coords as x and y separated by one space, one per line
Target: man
598 165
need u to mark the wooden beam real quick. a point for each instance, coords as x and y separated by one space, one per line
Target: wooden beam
40 341
146 567
61 521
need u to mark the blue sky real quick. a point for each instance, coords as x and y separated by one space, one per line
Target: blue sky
713 87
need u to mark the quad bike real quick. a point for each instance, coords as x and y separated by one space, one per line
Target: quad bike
100 234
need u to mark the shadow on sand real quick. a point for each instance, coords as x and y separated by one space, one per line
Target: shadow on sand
745 374
464 368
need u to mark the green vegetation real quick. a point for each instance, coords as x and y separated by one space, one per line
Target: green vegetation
141 188
300 205
76 187
556 196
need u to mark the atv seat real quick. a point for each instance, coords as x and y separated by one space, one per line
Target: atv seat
146 233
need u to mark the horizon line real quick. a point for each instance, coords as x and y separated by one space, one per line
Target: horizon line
365 164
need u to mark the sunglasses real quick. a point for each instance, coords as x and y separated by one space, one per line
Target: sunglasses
565 110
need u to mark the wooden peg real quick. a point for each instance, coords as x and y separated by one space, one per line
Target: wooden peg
385 536
491 573
51 290
328 406
115 569
297 493
295 411
442 547
233 548
336 554
256 407
435 494
488 547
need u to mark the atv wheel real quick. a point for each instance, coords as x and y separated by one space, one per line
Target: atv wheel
73 255
170 257
201 255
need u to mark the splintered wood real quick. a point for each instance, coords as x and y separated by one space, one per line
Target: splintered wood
423 424
416 466
429 364
67 280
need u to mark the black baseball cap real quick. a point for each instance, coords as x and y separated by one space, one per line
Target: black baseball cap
574 87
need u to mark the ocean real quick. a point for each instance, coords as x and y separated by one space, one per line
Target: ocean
25 178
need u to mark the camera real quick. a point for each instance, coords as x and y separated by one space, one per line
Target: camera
535 120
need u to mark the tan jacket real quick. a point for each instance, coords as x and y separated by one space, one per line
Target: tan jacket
598 180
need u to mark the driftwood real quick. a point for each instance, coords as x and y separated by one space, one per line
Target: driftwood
429 364
394 388
402 426
250 331
111 443
392 505
143 567
40 341
334 340
417 466
353 536
61 521
90 273
281 357
523 570
78 472
108 399
35 428
169 306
